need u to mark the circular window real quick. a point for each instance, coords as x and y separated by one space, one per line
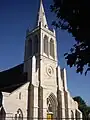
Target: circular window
50 71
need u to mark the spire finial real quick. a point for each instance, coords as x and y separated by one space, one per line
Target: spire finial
41 16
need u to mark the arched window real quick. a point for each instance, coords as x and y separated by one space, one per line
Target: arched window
20 96
19 115
76 116
36 44
72 115
50 109
46 45
37 65
29 49
52 52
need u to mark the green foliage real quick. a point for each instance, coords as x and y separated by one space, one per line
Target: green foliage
73 16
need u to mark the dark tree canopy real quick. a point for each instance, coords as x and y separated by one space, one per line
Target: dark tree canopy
83 107
80 101
73 16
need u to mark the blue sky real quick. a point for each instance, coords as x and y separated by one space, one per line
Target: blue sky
15 17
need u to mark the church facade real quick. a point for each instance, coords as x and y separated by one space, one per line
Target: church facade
45 95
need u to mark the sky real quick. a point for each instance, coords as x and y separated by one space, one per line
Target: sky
15 17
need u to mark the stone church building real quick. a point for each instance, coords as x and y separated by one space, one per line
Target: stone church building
45 94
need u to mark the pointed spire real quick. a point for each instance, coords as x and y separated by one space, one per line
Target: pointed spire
41 16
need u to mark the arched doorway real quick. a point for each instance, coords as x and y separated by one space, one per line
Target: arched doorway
51 107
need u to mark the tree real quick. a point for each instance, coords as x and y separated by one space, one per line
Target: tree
73 16
82 106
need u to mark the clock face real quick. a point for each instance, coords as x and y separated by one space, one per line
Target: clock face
49 70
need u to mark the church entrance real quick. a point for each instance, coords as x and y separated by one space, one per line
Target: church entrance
51 107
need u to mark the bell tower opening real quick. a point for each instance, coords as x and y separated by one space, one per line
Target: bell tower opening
46 45
52 53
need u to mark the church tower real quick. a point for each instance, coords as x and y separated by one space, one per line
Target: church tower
41 51
41 60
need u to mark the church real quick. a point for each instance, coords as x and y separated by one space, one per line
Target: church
44 95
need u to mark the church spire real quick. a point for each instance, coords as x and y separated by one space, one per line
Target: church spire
41 16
